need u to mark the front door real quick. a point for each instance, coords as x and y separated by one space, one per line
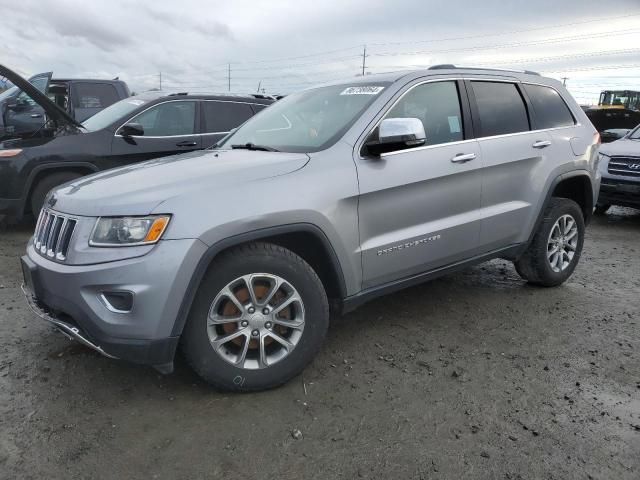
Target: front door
419 207
24 116
169 128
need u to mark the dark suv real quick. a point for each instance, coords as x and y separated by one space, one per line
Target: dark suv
151 125
21 116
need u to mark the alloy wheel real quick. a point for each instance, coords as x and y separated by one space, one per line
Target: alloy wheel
562 243
256 320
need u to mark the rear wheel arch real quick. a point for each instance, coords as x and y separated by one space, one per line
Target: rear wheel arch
306 240
576 187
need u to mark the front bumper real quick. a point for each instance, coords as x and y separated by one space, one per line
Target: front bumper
70 298
625 193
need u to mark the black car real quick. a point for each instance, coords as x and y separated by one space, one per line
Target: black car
138 128
21 116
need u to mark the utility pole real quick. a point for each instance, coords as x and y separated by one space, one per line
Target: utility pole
564 81
229 76
160 81
364 59
259 84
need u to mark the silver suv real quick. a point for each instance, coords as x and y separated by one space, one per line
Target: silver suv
329 197
620 169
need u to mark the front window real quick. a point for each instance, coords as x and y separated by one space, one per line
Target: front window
307 121
114 113
437 106
168 119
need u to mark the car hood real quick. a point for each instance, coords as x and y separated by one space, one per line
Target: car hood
624 146
138 189
53 111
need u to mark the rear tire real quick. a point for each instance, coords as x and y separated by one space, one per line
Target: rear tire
45 185
253 359
555 249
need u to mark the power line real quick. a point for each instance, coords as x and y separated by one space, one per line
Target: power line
511 45
563 57
546 27
445 39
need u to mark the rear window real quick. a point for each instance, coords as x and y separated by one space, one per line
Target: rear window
222 117
551 111
501 108
94 95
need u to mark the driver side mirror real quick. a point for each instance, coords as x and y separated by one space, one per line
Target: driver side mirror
396 134
131 130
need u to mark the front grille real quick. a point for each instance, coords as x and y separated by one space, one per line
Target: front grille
628 166
53 234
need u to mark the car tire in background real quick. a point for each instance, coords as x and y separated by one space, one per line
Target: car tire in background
602 208
45 185
555 250
244 340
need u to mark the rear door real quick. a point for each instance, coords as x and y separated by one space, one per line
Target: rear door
24 116
169 128
514 157
88 98
219 117
419 207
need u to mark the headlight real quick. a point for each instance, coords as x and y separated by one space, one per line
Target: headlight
601 158
128 231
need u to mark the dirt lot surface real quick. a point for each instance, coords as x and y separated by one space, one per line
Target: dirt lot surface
475 375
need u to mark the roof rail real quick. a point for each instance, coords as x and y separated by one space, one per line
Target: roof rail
449 66
178 93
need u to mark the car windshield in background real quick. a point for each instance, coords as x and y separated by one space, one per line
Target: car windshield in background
635 135
113 113
307 121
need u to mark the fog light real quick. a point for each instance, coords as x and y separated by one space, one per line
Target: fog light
117 302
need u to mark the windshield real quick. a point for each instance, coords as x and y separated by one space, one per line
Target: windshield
8 93
307 121
635 135
113 113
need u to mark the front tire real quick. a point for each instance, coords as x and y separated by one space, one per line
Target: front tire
47 184
259 317
555 249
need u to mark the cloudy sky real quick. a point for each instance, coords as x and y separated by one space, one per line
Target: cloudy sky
284 45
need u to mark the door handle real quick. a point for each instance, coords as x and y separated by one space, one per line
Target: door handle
187 143
541 144
463 157
36 115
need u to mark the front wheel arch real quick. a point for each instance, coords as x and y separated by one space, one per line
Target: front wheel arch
287 236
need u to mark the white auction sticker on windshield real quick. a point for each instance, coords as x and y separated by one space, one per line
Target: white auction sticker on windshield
366 90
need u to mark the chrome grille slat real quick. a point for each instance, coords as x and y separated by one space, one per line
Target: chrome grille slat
53 234
63 228
622 166
47 231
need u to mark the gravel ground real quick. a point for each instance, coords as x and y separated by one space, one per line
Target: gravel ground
475 375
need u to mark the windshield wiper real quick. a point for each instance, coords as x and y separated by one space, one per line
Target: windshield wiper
253 146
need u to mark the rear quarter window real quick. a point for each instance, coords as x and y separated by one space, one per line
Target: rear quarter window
94 95
550 109
501 108
222 117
